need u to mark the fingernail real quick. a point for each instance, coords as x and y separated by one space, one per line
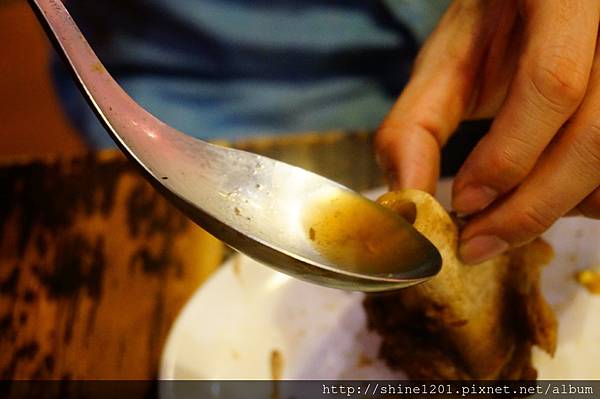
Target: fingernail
480 248
473 199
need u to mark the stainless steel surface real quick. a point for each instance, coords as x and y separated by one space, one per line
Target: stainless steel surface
252 203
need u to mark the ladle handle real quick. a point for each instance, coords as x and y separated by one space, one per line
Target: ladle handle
119 113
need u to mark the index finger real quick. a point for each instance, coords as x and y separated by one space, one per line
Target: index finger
409 140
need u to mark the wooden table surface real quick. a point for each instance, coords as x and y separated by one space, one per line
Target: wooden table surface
95 265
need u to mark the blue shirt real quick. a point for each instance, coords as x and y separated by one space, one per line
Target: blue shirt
230 68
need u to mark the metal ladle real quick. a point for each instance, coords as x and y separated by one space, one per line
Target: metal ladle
252 203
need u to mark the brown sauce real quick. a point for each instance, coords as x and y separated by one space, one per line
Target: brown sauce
360 236
276 364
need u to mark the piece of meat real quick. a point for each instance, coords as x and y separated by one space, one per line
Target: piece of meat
468 322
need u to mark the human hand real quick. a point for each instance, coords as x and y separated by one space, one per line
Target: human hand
535 67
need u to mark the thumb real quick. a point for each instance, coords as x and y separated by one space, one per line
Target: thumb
409 140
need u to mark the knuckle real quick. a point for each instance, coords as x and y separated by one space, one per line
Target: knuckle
384 134
559 80
533 221
506 170
390 127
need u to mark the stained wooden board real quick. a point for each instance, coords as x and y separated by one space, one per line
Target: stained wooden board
95 264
